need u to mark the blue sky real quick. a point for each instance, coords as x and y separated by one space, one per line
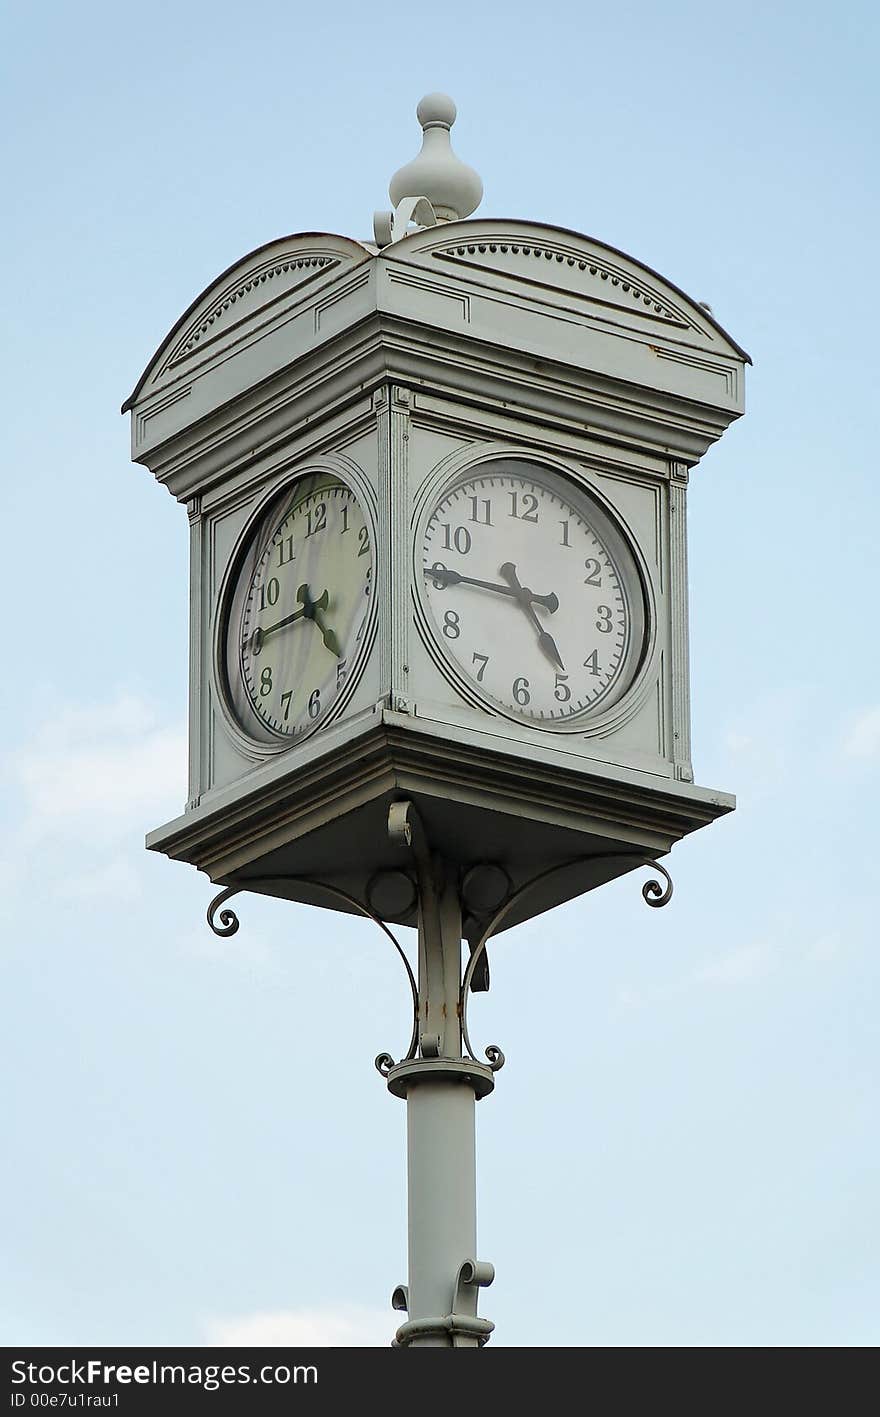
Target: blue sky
682 1149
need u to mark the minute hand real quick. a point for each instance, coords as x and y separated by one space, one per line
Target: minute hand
550 602
525 598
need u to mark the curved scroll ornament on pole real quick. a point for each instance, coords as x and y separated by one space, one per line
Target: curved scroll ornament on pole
653 893
229 921
230 924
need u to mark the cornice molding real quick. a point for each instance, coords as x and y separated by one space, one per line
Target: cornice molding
398 754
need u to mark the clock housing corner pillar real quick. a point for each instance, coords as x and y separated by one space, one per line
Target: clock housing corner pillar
197 651
396 508
678 630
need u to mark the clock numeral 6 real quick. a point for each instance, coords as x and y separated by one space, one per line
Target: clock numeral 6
315 703
521 692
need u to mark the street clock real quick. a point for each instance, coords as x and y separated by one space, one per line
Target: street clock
436 484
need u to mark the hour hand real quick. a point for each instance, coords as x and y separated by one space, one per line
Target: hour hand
330 640
524 597
259 635
313 610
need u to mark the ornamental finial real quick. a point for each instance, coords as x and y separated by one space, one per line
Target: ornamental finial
453 189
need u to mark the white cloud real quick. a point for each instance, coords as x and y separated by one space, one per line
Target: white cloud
792 944
762 742
117 880
862 739
98 769
826 947
748 962
736 742
248 952
346 1326
80 791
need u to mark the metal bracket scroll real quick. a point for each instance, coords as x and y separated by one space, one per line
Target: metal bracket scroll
391 226
462 1325
229 925
652 892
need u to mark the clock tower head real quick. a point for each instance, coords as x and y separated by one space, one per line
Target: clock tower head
436 488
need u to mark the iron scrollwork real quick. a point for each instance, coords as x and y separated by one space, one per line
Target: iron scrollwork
229 925
229 921
652 892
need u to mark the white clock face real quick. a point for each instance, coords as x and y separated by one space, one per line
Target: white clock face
532 593
300 611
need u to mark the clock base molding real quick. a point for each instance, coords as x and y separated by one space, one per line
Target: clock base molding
326 819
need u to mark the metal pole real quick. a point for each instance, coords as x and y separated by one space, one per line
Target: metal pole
441 1088
441 1157
441 1135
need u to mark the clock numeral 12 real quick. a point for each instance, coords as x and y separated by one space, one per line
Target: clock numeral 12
531 507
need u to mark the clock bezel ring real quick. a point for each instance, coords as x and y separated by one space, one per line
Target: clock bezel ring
506 460
264 512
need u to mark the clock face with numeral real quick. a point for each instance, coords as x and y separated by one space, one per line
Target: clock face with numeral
532 594
299 611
